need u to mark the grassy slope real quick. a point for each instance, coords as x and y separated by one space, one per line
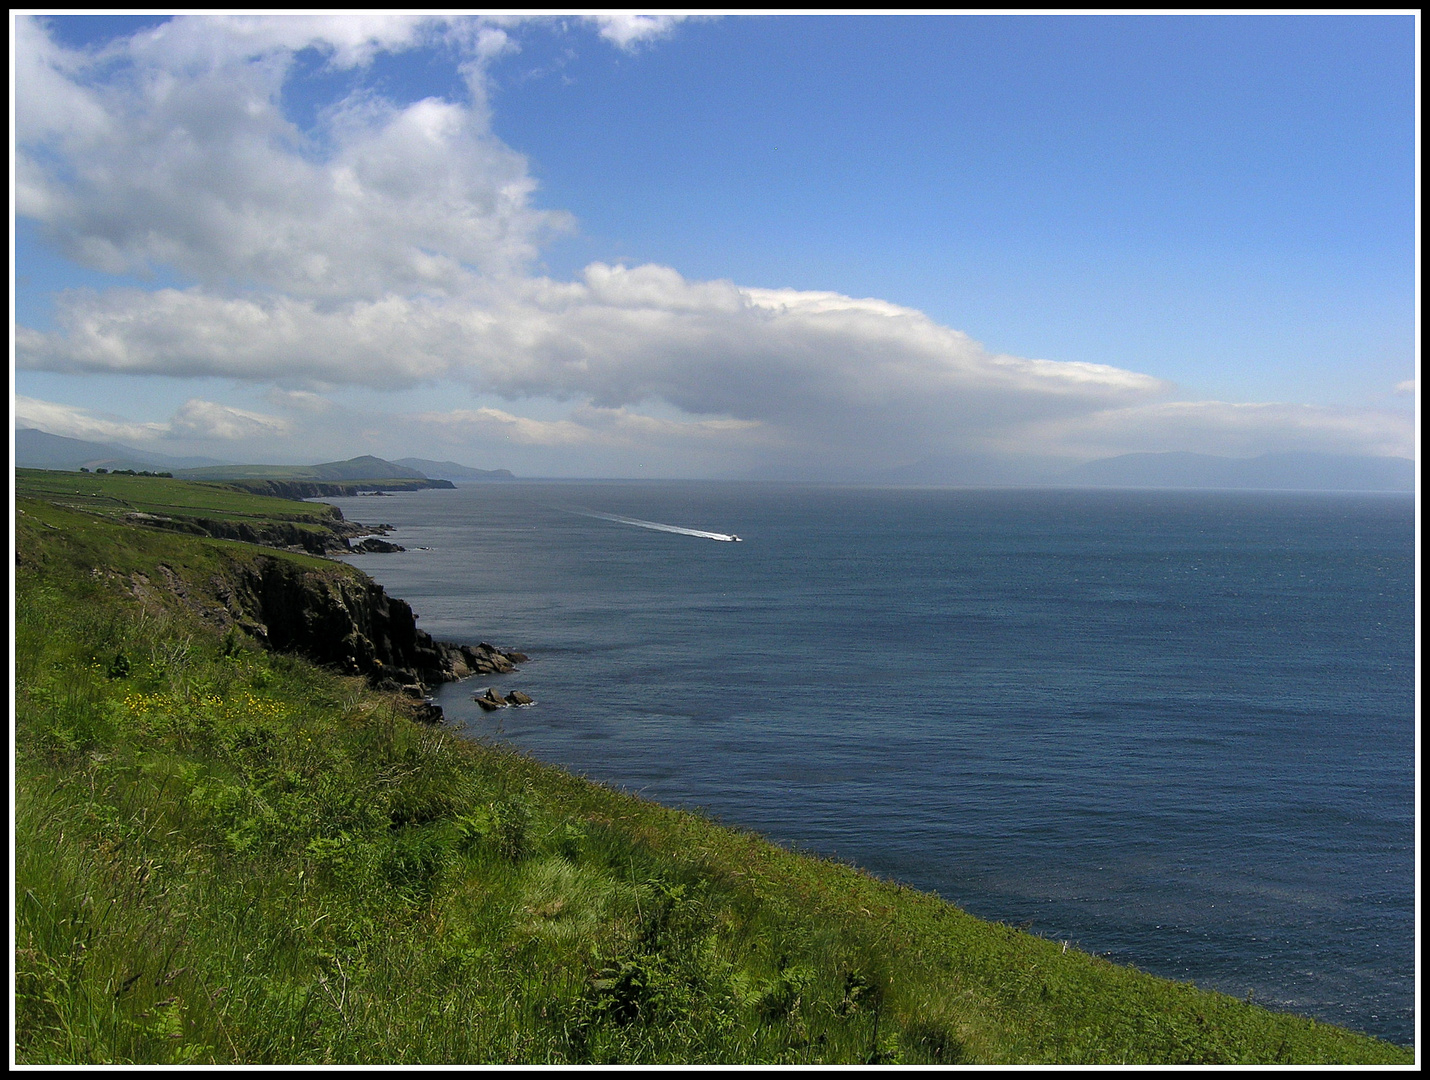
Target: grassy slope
229 856
161 495
182 500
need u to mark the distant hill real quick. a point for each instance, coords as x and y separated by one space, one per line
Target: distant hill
330 479
365 467
1302 471
35 449
450 470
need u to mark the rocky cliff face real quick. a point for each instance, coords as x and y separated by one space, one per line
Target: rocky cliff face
326 611
345 620
331 489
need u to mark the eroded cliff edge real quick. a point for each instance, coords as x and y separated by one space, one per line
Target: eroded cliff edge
344 619
332 614
144 538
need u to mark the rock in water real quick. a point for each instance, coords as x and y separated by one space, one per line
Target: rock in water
490 700
516 697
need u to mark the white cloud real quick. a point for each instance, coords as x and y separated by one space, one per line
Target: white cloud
1406 387
626 28
170 149
196 419
861 380
854 376
180 157
77 423
215 39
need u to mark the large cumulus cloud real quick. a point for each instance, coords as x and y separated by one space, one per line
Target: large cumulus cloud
865 376
391 245
174 152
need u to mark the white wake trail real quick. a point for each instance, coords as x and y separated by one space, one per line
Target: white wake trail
656 525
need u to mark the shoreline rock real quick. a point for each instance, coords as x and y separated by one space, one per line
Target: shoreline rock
342 618
490 700
371 544
484 659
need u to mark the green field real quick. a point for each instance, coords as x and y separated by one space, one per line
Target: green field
116 494
206 508
226 855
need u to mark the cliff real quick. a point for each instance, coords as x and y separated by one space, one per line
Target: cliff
286 600
331 489
341 618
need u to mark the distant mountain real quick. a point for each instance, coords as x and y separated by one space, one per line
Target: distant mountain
35 449
1293 470
365 467
450 470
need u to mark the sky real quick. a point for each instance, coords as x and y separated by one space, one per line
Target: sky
768 246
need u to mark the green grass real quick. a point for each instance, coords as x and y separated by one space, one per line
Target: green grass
65 540
162 495
229 856
195 507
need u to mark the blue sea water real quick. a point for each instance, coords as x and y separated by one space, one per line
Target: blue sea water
1173 728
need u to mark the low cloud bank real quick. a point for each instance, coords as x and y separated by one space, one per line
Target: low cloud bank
195 421
856 382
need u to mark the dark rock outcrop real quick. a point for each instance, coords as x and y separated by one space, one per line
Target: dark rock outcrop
373 544
491 700
485 659
345 620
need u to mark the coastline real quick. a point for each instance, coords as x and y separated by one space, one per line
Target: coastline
882 975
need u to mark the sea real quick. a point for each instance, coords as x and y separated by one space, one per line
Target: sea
1173 728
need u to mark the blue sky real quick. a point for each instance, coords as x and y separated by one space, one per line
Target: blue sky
725 246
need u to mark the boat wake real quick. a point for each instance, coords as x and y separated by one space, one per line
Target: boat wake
656 525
